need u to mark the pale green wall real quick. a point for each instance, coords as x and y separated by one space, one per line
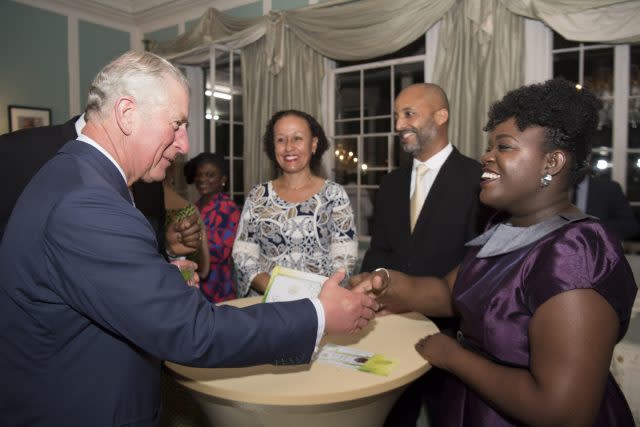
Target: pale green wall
34 58
251 10
97 46
162 34
33 62
288 4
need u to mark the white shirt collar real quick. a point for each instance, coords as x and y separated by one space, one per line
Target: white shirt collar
435 162
80 124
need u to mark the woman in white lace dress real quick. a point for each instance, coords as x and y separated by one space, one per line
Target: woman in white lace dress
298 220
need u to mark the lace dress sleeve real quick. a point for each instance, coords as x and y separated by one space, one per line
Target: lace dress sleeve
246 248
344 239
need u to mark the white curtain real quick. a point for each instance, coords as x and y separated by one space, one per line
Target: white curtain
479 58
614 21
196 110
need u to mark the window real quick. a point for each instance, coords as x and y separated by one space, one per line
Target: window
362 126
224 122
613 74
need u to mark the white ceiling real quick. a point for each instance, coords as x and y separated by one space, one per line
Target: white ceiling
132 7
128 12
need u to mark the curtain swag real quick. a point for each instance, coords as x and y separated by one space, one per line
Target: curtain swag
479 54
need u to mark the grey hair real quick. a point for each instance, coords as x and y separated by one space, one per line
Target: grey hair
141 75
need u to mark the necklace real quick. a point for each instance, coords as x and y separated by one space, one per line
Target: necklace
298 187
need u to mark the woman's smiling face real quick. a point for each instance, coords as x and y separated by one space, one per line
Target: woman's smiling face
209 179
294 144
513 164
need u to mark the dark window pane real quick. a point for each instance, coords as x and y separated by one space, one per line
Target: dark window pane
598 72
408 74
372 177
377 125
634 122
223 69
238 175
346 160
375 151
222 138
347 95
633 177
634 99
238 140
237 108
634 71
350 127
377 92
221 108
560 42
207 135
567 66
602 136
237 72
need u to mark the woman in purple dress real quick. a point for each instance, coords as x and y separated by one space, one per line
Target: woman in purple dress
544 294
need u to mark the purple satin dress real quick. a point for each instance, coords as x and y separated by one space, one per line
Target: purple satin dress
498 293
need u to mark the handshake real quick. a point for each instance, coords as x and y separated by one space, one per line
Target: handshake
348 311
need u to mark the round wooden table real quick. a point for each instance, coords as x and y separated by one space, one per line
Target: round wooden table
317 394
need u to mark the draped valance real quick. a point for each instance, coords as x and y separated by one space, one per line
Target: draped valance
479 56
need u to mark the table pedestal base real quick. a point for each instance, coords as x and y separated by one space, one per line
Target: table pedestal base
367 412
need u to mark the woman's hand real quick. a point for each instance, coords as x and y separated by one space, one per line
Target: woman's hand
437 349
184 237
374 284
260 282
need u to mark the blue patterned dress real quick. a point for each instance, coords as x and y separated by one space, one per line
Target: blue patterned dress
317 235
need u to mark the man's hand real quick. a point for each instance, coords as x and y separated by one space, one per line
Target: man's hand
184 237
346 312
188 270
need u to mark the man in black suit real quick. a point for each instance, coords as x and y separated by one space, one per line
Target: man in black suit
603 198
23 153
447 220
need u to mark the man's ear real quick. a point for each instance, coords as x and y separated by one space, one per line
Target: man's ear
441 116
556 161
124 111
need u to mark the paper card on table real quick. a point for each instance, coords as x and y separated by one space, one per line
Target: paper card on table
287 284
358 360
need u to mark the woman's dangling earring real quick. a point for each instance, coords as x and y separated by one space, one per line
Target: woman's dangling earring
546 180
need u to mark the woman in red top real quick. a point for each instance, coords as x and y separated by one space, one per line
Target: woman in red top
220 215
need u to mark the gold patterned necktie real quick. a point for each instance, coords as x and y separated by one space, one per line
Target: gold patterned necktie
417 200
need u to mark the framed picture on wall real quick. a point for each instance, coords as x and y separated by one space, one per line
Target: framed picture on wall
28 117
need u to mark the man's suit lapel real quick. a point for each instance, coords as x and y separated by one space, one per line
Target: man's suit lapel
100 164
404 201
438 192
69 130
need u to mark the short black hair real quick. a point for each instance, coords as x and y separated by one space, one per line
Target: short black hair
216 159
567 111
316 131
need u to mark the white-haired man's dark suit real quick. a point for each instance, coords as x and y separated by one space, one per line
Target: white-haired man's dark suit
89 309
